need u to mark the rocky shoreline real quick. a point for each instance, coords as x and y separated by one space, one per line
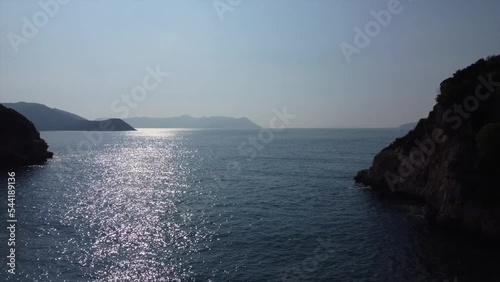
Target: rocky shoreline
20 143
451 159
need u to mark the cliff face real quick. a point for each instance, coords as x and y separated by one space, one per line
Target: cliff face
20 143
452 158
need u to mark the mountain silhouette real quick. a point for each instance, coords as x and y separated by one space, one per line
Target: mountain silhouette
20 143
186 121
49 119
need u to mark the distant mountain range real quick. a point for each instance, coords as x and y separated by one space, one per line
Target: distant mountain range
410 125
50 119
186 121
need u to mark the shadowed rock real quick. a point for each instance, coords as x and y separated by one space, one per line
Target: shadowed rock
20 143
47 119
451 159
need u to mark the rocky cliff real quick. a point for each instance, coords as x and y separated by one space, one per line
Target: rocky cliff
20 142
451 159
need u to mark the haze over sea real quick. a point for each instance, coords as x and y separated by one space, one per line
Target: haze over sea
162 205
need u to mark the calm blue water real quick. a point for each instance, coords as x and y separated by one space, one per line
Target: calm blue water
169 205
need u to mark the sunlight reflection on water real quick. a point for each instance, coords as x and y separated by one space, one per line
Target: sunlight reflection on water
125 211
142 206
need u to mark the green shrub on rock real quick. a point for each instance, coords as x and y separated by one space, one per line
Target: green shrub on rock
488 143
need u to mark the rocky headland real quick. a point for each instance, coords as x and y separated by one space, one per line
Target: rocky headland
20 143
451 159
51 119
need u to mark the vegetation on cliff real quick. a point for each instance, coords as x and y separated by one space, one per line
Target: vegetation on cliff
451 158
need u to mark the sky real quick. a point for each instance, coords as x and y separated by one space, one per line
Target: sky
242 58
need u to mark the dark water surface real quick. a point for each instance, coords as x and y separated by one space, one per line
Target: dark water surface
187 205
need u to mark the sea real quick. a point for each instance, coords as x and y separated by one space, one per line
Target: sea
224 205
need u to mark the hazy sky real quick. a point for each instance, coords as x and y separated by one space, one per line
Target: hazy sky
264 54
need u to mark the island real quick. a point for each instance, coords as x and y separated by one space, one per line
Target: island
186 121
52 119
20 143
451 159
